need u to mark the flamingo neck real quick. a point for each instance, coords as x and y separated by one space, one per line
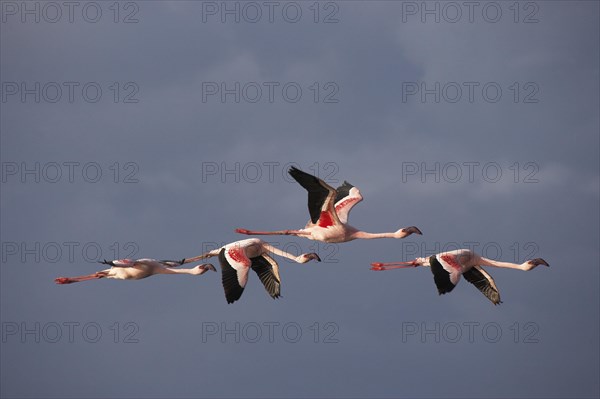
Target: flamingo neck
271 249
369 236
169 270
279 252
507 265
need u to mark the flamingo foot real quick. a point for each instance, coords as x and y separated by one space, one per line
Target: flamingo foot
63 280
377 266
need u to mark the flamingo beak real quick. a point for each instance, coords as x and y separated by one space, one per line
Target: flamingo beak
210 267
539 261
412 230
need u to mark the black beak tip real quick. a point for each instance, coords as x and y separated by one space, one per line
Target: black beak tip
412 230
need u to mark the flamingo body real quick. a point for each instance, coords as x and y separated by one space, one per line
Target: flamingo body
329 209
128 269
448 267
237 258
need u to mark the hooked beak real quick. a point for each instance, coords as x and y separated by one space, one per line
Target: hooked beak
539 261
412 230
208 266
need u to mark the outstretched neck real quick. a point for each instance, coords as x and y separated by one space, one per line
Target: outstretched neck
370 236
508 265
271 249
169 270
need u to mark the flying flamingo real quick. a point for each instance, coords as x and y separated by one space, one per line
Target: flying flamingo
128 269
329 209
238 257
448 266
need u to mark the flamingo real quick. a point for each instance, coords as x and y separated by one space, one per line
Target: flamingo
238 257
329 209
448 266
128 269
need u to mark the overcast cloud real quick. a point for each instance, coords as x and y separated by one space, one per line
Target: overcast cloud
481 129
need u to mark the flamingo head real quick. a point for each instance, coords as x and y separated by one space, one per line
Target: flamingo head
536 262
303 258
406 231
200 269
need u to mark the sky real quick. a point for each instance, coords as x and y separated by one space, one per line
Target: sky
153 129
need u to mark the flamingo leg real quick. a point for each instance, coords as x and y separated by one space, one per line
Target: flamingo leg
272 233
377 266
69 280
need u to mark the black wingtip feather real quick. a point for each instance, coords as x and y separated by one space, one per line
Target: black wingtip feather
440 276
233 290
343 191
477 278
317 193
265 273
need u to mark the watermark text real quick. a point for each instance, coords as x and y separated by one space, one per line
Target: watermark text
53 12
263 171
66 251
470 92
53 332
68 172
470 172
469 332
290 332
491 12
270 92
69 92
270 12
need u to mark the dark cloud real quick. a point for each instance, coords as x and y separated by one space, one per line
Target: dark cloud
181 168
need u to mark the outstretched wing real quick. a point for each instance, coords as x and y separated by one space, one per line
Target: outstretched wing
268 272
484 283
321 198
347 196
234 277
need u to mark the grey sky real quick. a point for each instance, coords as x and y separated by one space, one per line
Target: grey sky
512 175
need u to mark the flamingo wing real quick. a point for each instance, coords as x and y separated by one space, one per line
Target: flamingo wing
234 272
445 280
268 272
321 198
484 283
346 197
